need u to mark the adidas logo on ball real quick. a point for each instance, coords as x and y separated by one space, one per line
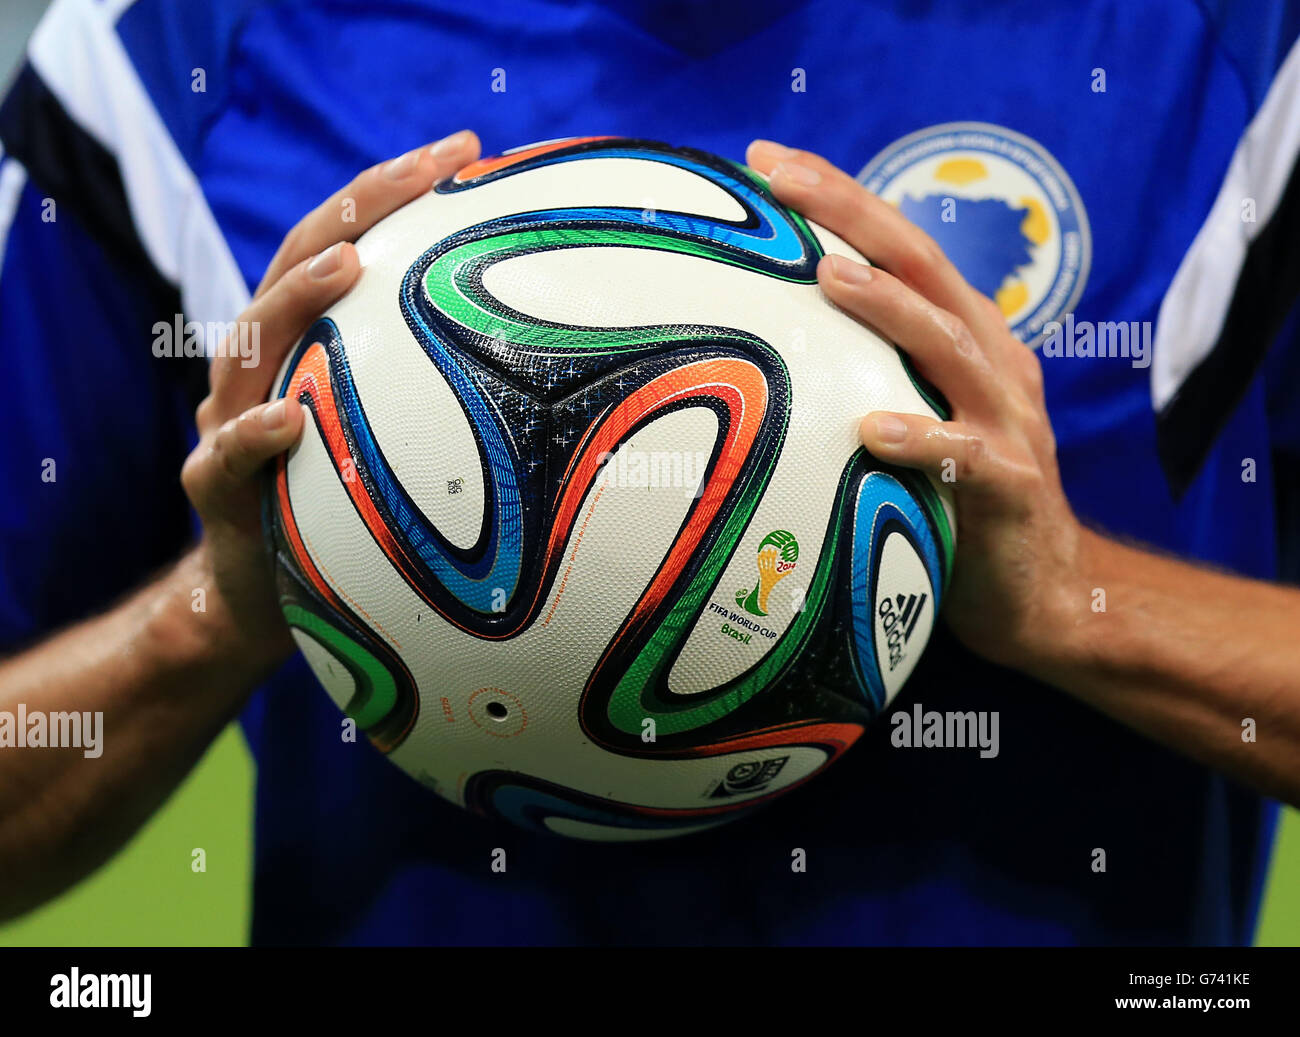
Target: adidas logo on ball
899 614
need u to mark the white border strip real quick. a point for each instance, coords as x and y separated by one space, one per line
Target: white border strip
81 58
1196 305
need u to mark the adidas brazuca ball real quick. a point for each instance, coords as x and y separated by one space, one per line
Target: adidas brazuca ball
579 531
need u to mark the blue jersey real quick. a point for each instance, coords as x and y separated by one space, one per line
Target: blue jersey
1129 205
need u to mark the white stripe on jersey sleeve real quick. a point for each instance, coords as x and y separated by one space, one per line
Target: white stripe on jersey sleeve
76 51
12 179
1196 305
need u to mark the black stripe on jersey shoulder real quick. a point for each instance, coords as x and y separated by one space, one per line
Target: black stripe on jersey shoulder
1266 291
67 164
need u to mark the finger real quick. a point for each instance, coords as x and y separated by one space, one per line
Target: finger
237 451
276 321
950 451
992 309
372 195
1030 369
830 197
942 347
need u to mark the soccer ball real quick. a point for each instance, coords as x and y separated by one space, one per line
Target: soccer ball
579 531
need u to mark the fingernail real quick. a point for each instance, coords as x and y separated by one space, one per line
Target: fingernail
402 166
275 415
848 271
449 145
781 150
326 263
890 429
797 173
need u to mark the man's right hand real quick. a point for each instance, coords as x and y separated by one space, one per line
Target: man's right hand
239 432
164 677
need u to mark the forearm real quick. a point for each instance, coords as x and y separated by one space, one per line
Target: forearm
1206 663
157 672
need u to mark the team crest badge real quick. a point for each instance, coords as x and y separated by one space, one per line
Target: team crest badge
1001 207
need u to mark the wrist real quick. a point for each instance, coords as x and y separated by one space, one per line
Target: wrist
189 624
1073 611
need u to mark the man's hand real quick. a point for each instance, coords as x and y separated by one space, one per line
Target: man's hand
1155 658
167 679
1018 543
239 432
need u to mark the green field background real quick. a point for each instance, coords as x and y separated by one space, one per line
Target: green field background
149 895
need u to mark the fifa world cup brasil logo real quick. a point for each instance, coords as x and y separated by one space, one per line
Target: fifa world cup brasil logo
777 555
